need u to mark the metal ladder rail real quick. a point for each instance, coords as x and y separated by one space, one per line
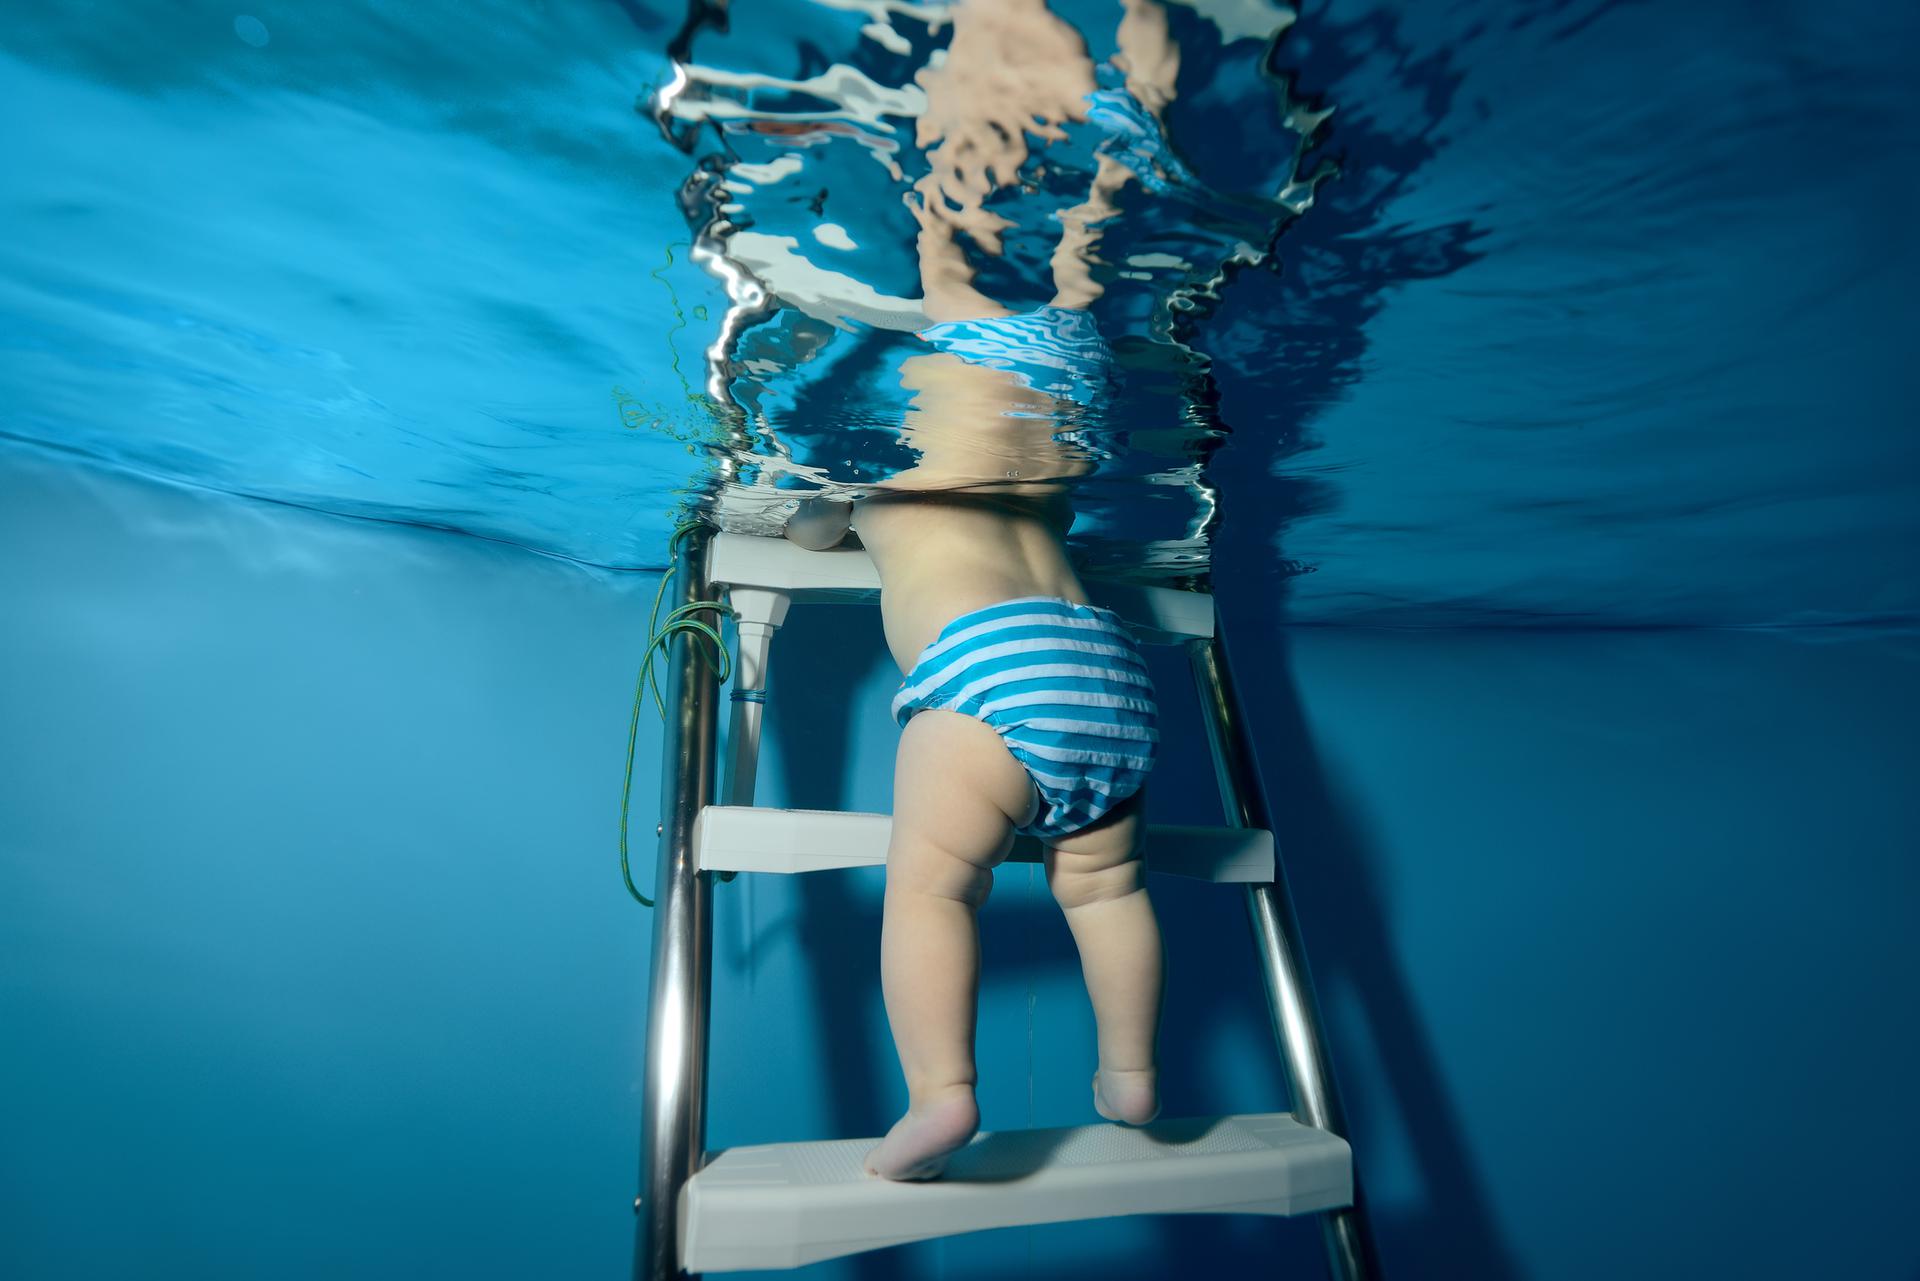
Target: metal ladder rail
674 1104
1291 1003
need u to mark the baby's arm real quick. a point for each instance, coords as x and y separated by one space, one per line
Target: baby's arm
1013 68
1148 54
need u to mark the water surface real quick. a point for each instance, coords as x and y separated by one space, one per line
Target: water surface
1601 321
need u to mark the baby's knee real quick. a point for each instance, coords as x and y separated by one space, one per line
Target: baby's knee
922 867
1079 879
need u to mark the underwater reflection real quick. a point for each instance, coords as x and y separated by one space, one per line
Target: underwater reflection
1007 300
973 427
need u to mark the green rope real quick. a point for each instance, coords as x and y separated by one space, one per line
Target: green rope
660 636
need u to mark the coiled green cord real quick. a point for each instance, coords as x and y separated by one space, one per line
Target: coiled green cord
659 637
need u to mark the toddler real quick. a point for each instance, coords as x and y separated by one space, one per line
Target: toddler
1024 709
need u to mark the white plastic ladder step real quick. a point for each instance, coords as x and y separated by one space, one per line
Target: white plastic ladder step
741 838
1163 614
785 1205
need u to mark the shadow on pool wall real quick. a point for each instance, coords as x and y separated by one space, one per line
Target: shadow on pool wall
1339 266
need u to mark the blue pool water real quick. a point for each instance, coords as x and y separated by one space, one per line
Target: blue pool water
1599 322
314 956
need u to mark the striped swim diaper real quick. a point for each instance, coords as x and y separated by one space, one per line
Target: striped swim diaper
1065 687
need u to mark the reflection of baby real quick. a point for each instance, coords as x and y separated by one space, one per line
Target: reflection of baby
1024 708
1013 68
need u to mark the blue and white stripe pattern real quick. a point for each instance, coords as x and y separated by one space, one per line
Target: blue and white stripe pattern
1136 140
1065 687
1058 351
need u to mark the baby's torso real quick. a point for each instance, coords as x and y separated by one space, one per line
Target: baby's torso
942 555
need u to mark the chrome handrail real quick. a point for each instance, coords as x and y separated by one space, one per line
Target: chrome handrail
674 1101
1276 933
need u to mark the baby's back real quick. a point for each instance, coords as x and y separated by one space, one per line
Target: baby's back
940 555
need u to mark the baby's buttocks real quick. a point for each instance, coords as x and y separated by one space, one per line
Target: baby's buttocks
1065 687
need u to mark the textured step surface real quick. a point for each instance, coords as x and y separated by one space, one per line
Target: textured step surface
737 838
1160 614
784 1205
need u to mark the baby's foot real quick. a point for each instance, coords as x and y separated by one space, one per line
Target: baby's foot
918 1145
1132 1098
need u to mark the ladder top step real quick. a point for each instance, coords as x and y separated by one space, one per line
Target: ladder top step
785 1205
1162 614
743 838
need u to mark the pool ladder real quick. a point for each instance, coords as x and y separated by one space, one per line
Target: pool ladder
786 1205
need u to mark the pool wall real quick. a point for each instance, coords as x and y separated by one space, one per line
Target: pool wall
316 962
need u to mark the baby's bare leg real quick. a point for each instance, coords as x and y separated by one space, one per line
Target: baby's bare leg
1099 881
958 793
